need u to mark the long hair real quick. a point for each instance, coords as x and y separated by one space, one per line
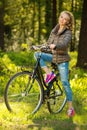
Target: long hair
69 25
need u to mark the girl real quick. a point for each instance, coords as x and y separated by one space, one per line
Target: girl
58 41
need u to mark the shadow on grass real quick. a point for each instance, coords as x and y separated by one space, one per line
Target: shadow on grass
66 124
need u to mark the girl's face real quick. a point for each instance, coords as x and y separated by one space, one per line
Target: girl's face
64 19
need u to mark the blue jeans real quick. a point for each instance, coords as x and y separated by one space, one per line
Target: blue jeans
63 71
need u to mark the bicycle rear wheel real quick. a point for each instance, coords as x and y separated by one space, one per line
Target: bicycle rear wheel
23 93
57 98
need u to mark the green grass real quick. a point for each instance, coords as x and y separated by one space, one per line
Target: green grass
43 120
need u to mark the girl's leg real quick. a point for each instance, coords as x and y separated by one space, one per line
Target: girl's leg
45 57
64 75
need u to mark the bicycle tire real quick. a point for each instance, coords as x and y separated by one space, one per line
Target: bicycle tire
17 100
57 99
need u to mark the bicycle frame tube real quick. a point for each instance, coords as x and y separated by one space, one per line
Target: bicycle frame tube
38 72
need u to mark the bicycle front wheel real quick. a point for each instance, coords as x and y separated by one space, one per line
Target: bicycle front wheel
23 93
57 98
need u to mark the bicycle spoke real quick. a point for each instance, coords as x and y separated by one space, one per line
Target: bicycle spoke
57 99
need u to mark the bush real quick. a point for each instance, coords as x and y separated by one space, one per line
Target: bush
11 62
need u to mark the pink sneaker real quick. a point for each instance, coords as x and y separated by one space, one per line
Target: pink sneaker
50 77
71 112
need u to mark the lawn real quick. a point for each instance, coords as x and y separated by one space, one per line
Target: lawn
42 120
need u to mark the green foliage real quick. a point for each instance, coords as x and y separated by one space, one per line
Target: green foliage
73 60
11 62
79 86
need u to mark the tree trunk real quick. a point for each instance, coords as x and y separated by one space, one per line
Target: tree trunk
33 20
39 20
82 48
60 6
54 17
2 25
48 17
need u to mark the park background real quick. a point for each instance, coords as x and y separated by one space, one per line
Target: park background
29 22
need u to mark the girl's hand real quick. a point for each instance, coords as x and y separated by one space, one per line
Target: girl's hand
34 48
52 46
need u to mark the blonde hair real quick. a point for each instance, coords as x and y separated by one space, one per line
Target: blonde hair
69 25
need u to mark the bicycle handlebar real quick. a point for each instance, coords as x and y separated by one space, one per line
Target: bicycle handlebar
45 49
42 48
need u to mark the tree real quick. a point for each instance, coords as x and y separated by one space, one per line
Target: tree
82 48
1 25
48 17
39 19
73 9
60 4
54 17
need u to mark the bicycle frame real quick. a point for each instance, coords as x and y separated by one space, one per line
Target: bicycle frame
38 72
52 91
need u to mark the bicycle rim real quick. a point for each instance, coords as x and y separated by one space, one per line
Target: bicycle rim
57 99
23 95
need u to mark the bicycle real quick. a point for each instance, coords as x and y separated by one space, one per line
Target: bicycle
28 90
